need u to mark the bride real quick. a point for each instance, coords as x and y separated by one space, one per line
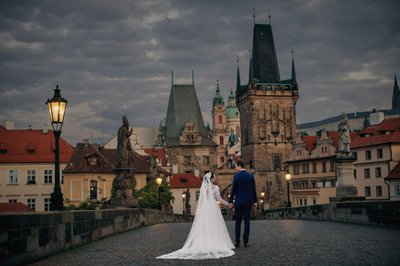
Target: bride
208 237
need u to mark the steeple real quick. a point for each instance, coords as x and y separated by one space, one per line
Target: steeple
218 98
264 59
396 95
294 81
251 74
237 76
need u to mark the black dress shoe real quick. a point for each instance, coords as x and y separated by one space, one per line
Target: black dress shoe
246 245
237 245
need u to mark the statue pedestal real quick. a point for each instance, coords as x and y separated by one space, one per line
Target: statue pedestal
123 184
346 190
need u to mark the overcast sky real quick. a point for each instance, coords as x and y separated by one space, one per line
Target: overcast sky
112 58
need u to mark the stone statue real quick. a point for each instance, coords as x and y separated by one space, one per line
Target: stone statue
124 144
344 136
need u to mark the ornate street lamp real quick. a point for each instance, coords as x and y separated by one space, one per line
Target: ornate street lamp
159 182
288 177
57 106
183 202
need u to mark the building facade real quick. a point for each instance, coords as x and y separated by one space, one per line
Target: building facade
188 143
225 128
27 165
267 108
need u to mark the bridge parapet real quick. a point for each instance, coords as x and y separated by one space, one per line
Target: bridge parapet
27 237
384 213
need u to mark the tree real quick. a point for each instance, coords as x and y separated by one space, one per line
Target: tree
148 196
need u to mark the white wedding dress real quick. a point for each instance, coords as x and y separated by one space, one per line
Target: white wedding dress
208 237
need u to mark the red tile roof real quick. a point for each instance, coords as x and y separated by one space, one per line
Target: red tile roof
14 207
159 153
185 181
106 160
390 124
18 142
395 173
358 141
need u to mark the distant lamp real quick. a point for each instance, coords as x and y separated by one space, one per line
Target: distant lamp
262 194
159 182
288 177
183 202
57 106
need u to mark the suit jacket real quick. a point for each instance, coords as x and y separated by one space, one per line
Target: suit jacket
243 188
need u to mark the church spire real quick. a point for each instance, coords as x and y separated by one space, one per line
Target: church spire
251 75
294 81
237 76
396 95
218 98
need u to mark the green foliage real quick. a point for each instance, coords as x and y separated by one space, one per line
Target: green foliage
91 205
148 196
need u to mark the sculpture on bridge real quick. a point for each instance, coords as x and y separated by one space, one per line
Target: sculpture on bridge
344 136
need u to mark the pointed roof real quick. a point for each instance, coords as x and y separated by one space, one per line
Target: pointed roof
294 81
183 106
396 95
237 77
264 59
218 98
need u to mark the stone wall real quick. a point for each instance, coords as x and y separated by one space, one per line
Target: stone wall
385 213
28 237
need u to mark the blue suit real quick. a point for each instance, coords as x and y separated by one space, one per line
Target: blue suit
244 193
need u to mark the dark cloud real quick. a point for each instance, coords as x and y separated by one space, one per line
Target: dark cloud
115 57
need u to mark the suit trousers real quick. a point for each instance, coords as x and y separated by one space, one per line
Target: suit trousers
242 211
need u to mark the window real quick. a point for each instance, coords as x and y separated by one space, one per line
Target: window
187 160
301 202
314 167
93 190
277 161
367 191
296 169
314 201
332 166
31 176
305 202
323 167
378 172
367 173
397 190
220 119
379 153
206 160
355 155
367 155
12 201
197 195
47 204
12 176
31 203
355 173
48 176
221 140
378 191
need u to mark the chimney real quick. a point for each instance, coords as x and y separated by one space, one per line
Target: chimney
9 124
375 118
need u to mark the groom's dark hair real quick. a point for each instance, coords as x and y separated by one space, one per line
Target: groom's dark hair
240 163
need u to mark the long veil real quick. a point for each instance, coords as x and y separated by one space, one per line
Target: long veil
208 238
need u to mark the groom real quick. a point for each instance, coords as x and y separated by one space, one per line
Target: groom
244 193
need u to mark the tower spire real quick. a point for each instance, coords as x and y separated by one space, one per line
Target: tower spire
294 81
172 77
396 95
237 76
269 15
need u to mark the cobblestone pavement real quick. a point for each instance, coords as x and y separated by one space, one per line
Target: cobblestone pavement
272 242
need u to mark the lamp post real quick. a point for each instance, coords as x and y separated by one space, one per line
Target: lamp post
158 182
183 202
288 177
57 106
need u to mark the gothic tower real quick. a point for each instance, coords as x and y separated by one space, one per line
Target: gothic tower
219 127
267 116
188 143
396 95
